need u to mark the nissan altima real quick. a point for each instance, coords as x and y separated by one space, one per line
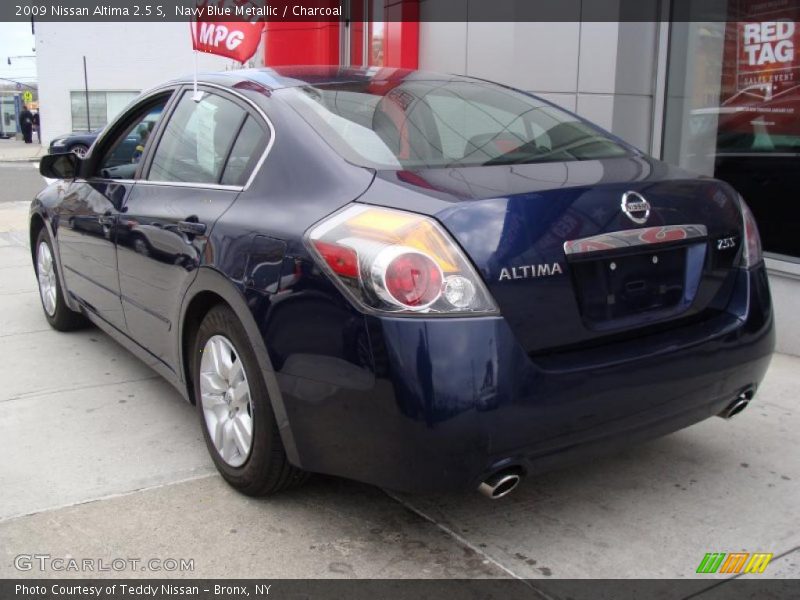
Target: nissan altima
425 282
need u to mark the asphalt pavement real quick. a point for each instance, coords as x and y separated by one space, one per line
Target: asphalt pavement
19 181
102 460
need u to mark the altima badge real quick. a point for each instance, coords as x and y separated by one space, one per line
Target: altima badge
530 271
636 207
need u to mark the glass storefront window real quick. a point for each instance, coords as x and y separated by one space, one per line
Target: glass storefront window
8 116
733 110
366 33
103 107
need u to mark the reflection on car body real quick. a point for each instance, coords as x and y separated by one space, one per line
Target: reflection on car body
155 240
754 144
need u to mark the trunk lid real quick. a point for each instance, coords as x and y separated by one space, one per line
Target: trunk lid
563 261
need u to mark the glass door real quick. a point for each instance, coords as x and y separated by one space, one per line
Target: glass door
733 110
362 34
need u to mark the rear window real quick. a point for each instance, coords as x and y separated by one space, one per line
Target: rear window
429 124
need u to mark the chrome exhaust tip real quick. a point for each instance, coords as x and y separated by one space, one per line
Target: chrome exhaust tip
734 408
738 405
499 485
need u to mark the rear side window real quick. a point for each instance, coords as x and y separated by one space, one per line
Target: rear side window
246 152
196 140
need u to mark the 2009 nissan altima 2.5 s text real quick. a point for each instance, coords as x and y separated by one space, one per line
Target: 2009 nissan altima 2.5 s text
424 282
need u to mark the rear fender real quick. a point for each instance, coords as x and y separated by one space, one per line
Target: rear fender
211 280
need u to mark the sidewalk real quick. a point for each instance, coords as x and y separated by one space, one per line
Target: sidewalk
18 151
103 459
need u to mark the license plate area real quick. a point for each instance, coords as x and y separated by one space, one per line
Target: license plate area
614 289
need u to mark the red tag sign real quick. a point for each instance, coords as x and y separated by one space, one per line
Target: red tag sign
761 69
767 61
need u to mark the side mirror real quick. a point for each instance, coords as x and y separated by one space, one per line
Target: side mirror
59 166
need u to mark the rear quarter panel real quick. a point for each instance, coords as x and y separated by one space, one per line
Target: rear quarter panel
256 251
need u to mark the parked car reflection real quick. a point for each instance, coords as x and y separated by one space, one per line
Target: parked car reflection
754 145
162 242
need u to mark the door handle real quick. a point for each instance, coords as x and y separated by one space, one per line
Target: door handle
191 227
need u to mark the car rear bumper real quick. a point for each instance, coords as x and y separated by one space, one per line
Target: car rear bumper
440 404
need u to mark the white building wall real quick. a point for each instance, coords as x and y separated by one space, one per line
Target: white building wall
603 71
784 283
119 57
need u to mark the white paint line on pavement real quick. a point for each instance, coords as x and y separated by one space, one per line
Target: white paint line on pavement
5 335
465 542
109 496
18 293
47 392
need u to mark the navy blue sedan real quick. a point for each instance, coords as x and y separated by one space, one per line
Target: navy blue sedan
420 281
77 142
128 150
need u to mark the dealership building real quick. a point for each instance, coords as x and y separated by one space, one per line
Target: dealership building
719 98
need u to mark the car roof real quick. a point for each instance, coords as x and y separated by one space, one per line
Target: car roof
276 78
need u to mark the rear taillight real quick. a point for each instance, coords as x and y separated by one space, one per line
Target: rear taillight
399 262
751 254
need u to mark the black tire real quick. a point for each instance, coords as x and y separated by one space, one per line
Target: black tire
139 244
63 318
266 469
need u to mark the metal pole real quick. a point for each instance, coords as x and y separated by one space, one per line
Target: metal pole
86 92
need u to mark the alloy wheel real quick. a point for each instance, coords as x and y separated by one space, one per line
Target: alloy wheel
225 395
46 273
80 151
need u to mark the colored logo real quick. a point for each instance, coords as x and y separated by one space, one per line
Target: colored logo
734 562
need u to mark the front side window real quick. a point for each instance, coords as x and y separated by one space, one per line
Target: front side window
196 140
429 124
121 159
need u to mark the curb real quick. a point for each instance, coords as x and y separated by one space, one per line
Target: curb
20 160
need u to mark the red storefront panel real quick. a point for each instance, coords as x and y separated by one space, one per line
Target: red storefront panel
389 33
301 43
